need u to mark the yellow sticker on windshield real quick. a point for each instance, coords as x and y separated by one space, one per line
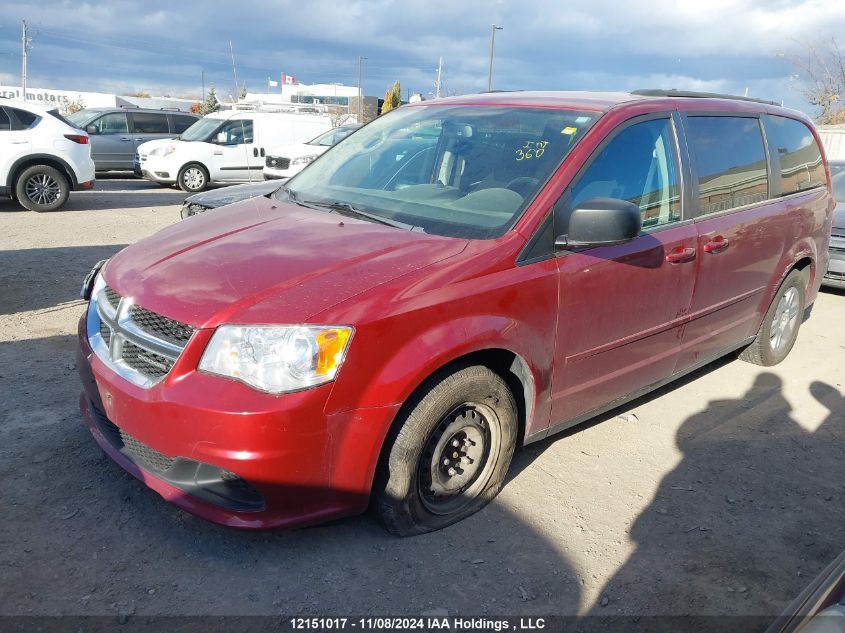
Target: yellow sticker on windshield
569 130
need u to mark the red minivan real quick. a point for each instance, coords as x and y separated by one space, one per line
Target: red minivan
455 279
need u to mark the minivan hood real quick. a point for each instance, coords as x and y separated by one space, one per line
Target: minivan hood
265 261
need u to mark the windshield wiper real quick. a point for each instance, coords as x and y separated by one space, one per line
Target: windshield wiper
347 209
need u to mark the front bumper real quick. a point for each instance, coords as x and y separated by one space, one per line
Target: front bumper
296 464
281 174
835 275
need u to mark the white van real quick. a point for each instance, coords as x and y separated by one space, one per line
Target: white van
224 147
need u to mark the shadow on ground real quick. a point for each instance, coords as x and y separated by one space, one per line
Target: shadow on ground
43 278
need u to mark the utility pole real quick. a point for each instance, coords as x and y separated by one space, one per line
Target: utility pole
234 72
360 94
439 74
493 30
24 48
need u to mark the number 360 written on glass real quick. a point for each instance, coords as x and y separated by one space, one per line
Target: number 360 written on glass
531 149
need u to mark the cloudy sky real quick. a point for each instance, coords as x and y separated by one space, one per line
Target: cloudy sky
163 46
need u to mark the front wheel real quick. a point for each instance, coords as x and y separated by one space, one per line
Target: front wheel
42 188
193 178
451 453
779 329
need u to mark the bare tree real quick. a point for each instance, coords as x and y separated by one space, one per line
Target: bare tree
822 70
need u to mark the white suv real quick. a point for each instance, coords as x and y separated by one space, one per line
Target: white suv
42 156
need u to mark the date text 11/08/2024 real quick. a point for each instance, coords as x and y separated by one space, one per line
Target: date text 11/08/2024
443 623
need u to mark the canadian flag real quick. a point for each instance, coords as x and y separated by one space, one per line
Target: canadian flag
288 79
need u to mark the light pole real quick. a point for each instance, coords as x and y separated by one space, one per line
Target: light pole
360 96
493 29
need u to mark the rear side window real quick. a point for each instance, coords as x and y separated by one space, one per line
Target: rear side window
5 121
731 161
150 123
57 115
799 158
25 119
637 165
182 122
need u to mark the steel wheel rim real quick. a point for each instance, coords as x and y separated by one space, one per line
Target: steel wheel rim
785 320
193 178
468 438
42 189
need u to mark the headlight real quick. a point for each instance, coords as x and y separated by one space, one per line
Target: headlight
163 151
277 359
303 160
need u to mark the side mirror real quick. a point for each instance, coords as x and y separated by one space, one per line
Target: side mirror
92 129
222 137
601 222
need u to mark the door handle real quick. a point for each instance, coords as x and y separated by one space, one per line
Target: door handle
716 245
680 255
262 152
18 142
255 152
125 138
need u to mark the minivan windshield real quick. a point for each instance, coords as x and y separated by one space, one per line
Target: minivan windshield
80 117
454 170
201 130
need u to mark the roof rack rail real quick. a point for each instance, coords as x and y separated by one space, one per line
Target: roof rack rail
129 105
698 95
170 109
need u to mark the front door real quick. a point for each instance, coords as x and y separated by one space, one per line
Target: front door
621 307
233 159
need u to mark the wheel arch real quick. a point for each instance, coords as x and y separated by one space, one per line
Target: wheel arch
507 364
32 160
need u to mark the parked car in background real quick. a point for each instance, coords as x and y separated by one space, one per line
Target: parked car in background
224 147
116 133
836 167
835 275
288 160
43 157
203 201
456 278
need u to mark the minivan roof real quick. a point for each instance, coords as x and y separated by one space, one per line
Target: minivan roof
134 109
604 101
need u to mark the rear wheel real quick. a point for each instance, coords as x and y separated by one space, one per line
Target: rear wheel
193 178
451 453
42 188
780 326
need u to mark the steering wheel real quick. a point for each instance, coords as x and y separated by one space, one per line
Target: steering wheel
523 185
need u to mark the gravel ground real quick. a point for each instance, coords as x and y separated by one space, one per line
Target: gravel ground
721 494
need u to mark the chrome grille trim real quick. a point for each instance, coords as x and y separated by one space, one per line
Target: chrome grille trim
148 358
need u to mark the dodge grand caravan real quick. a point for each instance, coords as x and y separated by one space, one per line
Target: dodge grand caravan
457 278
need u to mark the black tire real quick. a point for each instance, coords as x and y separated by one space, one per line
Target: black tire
193 178
42 188
780 326
415 491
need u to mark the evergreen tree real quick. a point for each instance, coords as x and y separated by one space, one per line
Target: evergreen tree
210 104
392 98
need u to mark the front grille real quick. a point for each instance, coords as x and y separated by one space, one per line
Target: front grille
145 361
161 327
112 297
149 457
105 332
136 343
276 162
